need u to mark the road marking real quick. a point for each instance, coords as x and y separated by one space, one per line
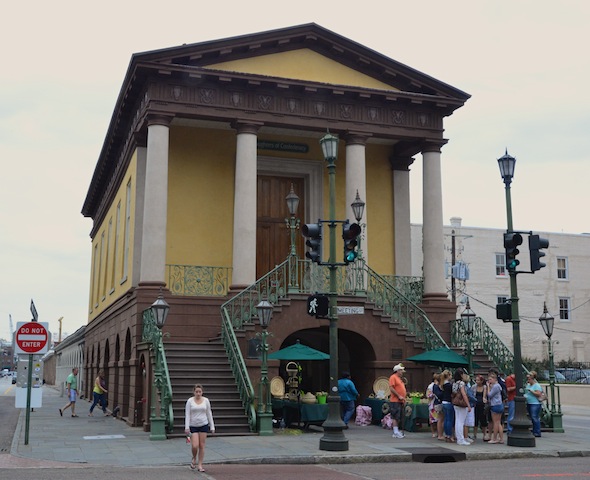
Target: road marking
102 437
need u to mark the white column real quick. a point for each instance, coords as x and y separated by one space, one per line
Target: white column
244 240
356 179
432 231
153 251
401 215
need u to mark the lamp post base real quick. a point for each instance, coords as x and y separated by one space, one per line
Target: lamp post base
334 439
557 422
521 435
158 429
265 424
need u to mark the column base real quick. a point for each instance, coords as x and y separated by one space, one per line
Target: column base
557 422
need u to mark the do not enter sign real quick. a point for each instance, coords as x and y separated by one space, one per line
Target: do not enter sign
31 338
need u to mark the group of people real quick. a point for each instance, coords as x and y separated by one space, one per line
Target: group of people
456 405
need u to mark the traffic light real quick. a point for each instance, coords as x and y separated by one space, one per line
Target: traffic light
536 243
511 242
313 232
504 311
350 232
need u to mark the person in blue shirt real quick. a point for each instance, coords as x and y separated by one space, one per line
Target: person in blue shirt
532 392
348 394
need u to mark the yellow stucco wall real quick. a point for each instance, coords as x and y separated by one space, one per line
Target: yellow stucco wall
110 265
200 197
303 64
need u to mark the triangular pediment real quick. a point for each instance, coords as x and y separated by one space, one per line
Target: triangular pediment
303 64
307 53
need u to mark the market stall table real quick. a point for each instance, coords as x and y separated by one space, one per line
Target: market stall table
297 412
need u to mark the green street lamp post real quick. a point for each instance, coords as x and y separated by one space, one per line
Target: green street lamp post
264 310
159 311
358 208
468 319
293 225
521 435
333 438
556 417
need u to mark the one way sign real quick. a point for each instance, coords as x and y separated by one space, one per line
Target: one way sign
317 306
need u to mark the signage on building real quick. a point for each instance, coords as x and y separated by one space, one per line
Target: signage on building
282 146
351 310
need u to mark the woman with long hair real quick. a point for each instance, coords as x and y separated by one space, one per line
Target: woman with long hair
449 413
481 395
198 421
459 390
433 401
496 408
98 394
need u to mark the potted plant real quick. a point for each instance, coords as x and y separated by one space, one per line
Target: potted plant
321 396
415 397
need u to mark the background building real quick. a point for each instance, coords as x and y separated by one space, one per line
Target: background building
564 284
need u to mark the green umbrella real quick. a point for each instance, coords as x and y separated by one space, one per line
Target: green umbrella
441 357
298 352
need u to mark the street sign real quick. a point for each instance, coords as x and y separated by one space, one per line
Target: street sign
34 311
32 337
350 310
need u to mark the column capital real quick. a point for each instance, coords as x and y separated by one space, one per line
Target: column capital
433 145
246 127
401 162
354 138
159 119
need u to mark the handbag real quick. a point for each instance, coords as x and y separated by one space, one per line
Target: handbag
457 398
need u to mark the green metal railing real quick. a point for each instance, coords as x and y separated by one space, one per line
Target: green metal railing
401 310
151 334
197 280
238 366
410 287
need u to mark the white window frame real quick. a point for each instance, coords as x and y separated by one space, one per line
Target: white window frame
565 309
562 270
500 260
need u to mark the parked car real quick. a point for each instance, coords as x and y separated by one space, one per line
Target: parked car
559 377
576 375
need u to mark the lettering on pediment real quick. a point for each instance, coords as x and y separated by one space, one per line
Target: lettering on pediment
346 111
398 116
319 108
236 99
207 95
264 102
177 92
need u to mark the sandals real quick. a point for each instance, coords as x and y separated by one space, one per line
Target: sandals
61 412
201 469
74 416
193 465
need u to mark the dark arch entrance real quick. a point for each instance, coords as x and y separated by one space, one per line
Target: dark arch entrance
355 355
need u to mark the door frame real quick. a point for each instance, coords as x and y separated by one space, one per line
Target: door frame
310 171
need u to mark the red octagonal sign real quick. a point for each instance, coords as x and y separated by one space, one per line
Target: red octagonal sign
31 337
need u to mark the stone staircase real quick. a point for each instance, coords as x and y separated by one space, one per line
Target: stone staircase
205 363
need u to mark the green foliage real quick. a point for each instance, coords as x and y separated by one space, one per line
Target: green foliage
536 365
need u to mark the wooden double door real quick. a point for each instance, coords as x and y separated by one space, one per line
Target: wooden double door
273 238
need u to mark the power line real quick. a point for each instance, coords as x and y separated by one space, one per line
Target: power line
525 318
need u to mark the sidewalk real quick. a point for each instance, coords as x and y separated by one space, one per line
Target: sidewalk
108 441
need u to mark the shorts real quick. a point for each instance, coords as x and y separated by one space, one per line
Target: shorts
497 408
73 395
201 429
395 410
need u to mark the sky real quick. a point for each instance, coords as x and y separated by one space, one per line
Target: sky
63 63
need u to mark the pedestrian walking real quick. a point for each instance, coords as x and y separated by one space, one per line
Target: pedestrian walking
198 421
72 392
348 395
99 394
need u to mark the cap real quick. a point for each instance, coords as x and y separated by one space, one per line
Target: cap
399 367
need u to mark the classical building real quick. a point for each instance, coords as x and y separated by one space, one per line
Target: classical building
564 285
188 197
